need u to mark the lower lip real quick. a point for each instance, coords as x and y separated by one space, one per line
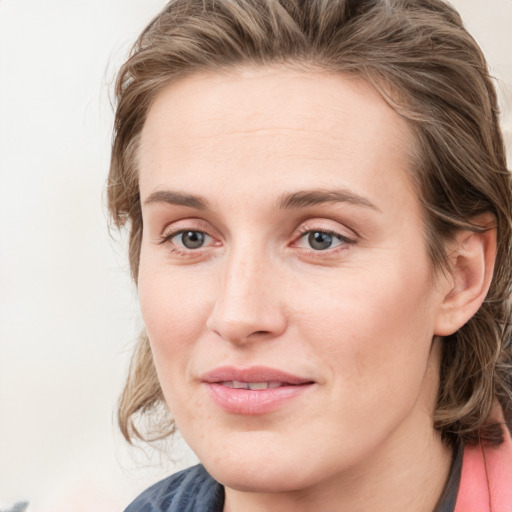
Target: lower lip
250 402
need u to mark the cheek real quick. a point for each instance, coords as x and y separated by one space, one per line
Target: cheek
374 332
174 309
174 315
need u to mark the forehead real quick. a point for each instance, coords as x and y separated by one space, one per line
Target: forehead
271 122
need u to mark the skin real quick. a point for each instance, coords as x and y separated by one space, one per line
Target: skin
359 318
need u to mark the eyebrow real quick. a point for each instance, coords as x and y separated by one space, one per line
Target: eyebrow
299 199
305 198
177 198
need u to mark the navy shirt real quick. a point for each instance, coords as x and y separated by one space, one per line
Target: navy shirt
191 490
194 490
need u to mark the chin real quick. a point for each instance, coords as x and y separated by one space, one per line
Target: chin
263 467
275 479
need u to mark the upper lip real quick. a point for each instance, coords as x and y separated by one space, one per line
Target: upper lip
252 374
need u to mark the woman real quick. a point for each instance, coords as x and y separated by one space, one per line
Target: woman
320 232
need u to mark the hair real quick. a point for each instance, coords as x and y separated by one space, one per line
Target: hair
422 60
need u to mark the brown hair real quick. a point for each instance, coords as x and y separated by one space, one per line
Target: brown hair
418 54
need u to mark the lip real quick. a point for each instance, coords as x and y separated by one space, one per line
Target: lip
252 402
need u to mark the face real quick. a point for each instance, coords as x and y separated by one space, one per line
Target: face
284 279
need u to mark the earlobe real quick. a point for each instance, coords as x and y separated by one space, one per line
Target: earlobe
472 256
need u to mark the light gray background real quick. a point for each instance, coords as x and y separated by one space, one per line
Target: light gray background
68 312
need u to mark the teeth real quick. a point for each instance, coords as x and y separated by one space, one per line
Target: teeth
258 385
253 386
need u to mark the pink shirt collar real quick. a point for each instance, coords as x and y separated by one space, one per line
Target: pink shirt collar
486 477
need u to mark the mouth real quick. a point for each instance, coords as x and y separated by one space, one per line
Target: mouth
253 386
254 390
240 378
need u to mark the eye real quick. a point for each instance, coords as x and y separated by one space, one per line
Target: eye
189 239
322 240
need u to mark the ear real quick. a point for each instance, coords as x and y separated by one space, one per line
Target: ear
472 256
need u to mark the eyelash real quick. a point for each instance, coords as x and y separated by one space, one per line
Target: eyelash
303 232
167 239
343 239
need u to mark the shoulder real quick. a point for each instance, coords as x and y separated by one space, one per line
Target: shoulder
486 479
190 490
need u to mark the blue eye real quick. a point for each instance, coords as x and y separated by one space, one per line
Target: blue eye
190 239
320 240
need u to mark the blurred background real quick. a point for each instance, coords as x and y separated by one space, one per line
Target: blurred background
68 311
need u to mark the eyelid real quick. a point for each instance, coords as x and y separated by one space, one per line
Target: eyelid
177 227
343 240
186 224
174 234
326 226
345 236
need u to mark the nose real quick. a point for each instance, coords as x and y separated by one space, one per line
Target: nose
247 304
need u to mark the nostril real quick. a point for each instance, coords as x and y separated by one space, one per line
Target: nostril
259 333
